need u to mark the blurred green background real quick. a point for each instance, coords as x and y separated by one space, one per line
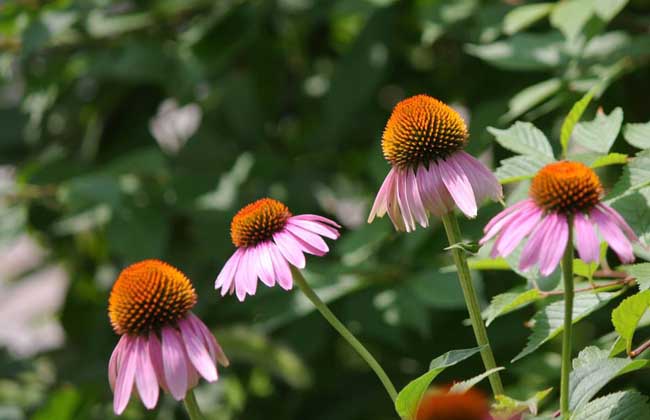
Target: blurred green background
136 129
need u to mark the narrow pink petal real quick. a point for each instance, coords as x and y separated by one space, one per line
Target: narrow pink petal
267 275
613 234
155 354
251 270
311 238
458 186
516 230
502 218
116 361
241 275
316 218
174 363
415 200
306 247
145 375
281 268
289 248
554 245
434 194
125 377
484 183
209 339
228 272
532 250
402 199
316 227
197 351
586 239
392 202
384 197
622 224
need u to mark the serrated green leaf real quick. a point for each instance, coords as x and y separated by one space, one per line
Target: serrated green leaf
589 377
409 397
549 321
524 138
628 314
518 168
636 175
638 135
641 272
523 16
509 302
464 386
570 16
505 404
572 119
624 405
600 133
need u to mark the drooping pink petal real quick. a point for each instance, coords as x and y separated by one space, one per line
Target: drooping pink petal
228 272
515 229
145 375
311 238
415 201
613 234
484 183
197 351
502 218
308 248
240 284
402 199
125 376
289 248
316 218
531 253
208 338
554 245
622 224
174 363
586 239
458 186
434 194
250 271
316 228
384 197
267 275
155 354
115 361
281 268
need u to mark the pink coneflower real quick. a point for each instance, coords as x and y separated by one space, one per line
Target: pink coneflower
560 190
163 344
269 238
431 174
439 405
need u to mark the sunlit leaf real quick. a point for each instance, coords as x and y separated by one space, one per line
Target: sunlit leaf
628 314
622 405
600 133
638 135
524 138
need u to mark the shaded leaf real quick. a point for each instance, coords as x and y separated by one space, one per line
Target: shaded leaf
600 133
622 405
572 119
522 52
518 168
508 302
510 405
570 16
531 96
464 386
523 16
641 272
638 134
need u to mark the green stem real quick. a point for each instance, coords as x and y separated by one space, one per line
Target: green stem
192 407
454 237
345 333
567 275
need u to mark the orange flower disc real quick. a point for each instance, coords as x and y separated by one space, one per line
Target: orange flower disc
422 129
566 187
258 222
472 405
147 296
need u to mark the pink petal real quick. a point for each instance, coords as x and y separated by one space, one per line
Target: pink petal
316 218
434 194
458 186
281 268
613 234
554 245
384 197
155 354
125 377
316 227
311 238
402 199
228 272
208 338
251 269
197 352
145 375
586 239
501 219
484 183
622 224
241 275
532 250
415 201
267 275
115 361
289 248
517 227
174 363
309 248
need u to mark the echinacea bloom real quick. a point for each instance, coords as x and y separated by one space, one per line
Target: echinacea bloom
560 190
163 344
431 174
269 238
470 405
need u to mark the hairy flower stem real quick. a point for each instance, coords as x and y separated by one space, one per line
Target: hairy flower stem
454 237
345 333
567 275
192 407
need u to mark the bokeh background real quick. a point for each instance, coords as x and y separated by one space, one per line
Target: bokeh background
136 129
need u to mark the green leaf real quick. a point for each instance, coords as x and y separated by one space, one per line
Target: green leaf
638 135
409 397
583 269
523 52
518 168
641 272
624 405
592 371
549 321
468 247
628 314
507 302
464 386
600 133
569 16
572 118
610 159
523 16
524 138
530 97
511 406
607 9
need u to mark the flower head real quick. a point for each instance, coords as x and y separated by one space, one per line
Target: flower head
269 238
163 345
430 174
558 191
436 405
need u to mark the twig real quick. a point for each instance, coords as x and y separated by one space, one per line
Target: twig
623 282
637 351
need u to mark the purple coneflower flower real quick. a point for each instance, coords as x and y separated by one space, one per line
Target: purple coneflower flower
558 191
163 345
431 174
269 238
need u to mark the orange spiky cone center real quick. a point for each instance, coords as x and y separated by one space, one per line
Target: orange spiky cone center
566 187
422 129
472 405
147 296
258 222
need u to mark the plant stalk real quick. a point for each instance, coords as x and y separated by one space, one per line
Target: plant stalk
345 333
192 407
453 234
567 335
